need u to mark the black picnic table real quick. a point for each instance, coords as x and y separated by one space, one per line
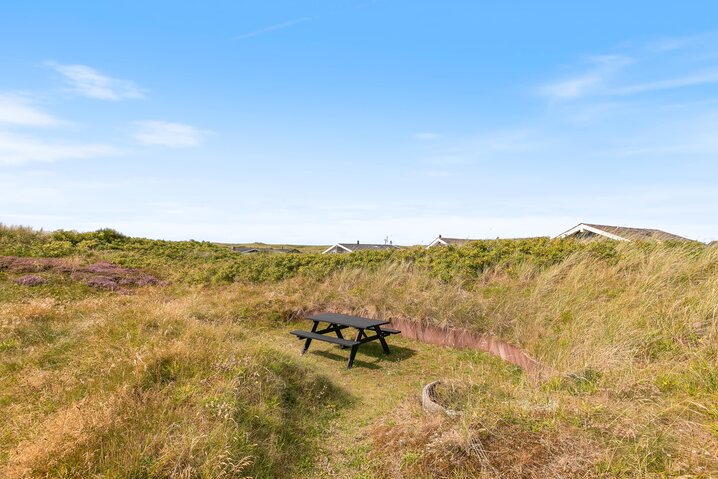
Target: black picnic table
336 323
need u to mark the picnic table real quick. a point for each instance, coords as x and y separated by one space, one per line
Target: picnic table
336 323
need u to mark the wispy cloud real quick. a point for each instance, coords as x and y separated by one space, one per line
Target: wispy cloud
20 149
272 28
674 43
20 110
704 78
88 82
172 135
681 62
600 70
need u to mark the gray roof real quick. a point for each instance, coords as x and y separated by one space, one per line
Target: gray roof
457 241
637 234
242 250
365 246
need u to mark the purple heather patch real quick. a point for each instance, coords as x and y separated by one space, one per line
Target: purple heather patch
101 282
101 275
30 280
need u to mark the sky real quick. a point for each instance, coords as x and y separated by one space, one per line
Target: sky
316 122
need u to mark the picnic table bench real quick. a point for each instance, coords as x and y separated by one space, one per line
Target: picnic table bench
336 323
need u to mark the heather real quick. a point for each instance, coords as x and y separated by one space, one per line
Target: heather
100 275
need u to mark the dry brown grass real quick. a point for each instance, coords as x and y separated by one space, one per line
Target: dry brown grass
637 333
157 384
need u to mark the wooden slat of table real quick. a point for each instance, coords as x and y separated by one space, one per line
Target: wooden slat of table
346 320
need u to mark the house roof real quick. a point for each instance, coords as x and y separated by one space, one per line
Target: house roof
246 250
441 240
457 241
450 241
351 247
264 250
622 233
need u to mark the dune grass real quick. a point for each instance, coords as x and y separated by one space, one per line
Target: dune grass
199 378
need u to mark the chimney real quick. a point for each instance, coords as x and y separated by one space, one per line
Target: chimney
357 241
439 236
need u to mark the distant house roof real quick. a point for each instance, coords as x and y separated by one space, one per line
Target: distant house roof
352 247
443 241
619 233
242 250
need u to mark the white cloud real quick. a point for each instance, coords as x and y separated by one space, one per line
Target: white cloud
87 81
21 149
602 68
688 80
572 87
272 28
19 110
172 135
674 43
678 56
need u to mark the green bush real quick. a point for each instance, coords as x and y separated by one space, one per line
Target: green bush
207 263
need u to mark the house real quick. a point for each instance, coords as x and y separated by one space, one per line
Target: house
441 241
340 248
237 249
244 250
618 233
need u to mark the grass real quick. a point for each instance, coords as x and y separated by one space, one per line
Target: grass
199 378
144 386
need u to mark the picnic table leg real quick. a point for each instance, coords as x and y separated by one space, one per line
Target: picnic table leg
308 341
352 354
384 345
339 335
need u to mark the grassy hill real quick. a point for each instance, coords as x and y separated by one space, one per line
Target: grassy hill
193 374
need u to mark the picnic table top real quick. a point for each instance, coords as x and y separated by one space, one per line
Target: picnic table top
346 320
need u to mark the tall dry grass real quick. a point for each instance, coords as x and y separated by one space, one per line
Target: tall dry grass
157 384
633 340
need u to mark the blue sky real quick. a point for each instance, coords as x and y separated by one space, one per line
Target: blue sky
326 121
